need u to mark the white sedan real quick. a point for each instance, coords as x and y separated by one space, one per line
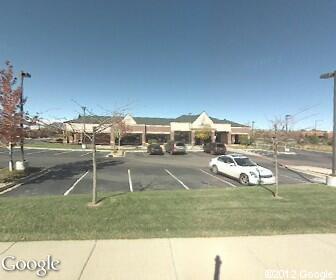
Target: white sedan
242 168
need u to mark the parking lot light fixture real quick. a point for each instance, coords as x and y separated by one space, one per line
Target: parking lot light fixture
331 180
23 76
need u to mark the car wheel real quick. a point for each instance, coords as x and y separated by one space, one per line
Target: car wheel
214 169
244 179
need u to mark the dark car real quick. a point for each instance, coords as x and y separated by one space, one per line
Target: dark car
175 147
154 149
215 148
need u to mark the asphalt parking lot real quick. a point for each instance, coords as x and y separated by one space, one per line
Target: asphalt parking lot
69 172
301 157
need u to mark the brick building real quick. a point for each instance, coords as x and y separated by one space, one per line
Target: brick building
141 130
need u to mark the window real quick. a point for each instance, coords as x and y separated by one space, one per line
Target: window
244 162
180 144
226 159
229 161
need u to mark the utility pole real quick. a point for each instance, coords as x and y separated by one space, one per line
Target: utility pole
23 75
252 133
287 118
94 167
84 133
275 147
331 180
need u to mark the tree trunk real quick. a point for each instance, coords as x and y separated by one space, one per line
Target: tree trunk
94 168
10 152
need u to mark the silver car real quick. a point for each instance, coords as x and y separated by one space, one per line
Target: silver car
176 147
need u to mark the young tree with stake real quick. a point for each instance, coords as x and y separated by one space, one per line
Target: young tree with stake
114 122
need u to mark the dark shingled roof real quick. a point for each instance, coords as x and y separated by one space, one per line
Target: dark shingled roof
225 121
234 124
192 118
186 118
153 121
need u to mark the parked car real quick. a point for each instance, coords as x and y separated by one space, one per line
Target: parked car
242 168
215 148
154 149
175 147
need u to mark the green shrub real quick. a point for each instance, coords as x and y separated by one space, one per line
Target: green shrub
152 141
244 140
313 139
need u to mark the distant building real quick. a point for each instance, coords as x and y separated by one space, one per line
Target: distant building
318 133
141 130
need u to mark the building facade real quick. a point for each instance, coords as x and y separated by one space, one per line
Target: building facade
191 129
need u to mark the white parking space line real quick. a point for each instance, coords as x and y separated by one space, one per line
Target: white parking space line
12 188
220 179
62 153
85 154
177 179
33 153
74 184
130 180
20 184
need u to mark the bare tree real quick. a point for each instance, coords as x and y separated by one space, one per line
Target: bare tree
279 136
114 122
119 128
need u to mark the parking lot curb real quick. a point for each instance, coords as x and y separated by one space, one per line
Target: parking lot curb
55 149
64 149
23 180
303 172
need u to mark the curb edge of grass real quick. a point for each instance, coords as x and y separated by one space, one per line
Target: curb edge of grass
23 179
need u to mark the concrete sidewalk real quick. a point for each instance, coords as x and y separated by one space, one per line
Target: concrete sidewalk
241 258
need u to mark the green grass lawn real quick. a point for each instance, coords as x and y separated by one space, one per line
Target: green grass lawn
199 213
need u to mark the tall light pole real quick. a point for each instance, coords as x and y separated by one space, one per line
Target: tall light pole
84 132
331 180
275 155
287 118
23 75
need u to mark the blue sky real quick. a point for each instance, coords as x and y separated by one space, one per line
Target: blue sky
241 60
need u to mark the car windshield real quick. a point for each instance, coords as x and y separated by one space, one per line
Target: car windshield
245 162
179 144
156 146
220 145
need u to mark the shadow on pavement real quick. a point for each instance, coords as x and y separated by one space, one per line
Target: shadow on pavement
63 171
218 263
